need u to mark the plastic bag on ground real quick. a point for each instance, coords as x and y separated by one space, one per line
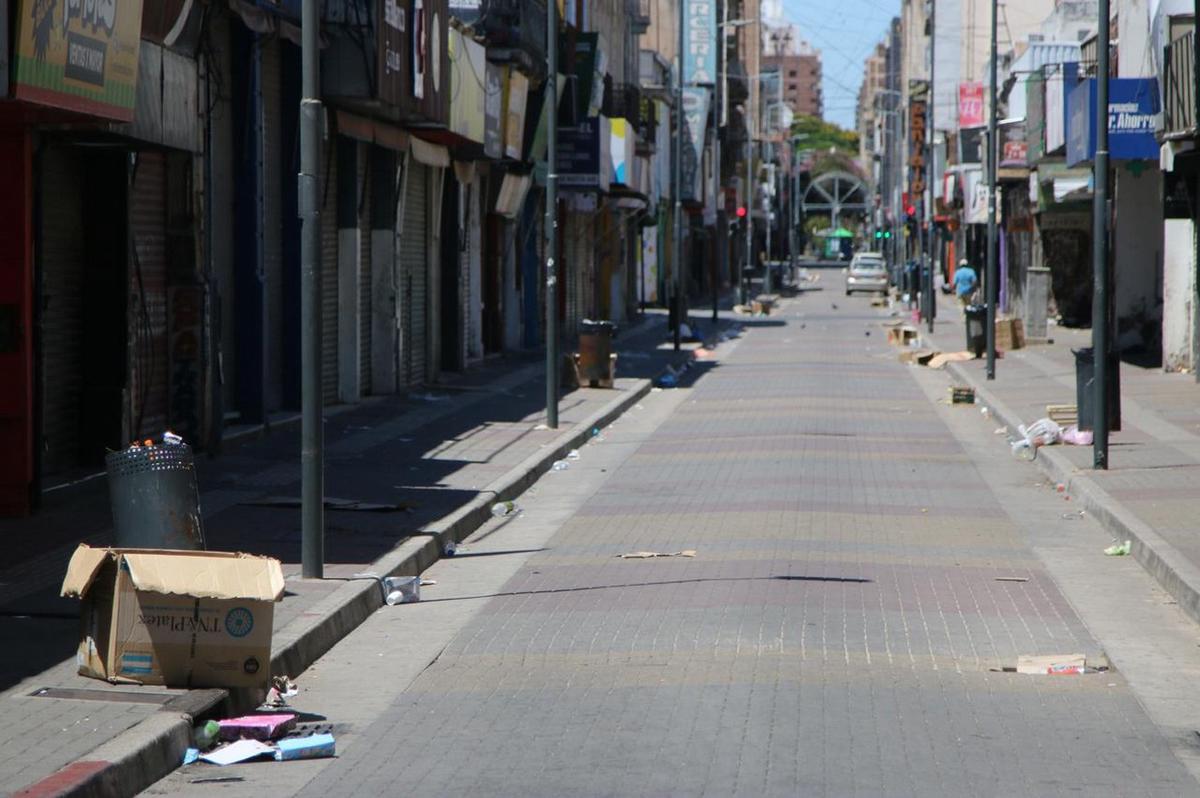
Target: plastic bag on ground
1076 436
1042 432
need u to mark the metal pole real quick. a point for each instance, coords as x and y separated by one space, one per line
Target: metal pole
312 443
990 280
551 220
1100 277
718 204
768 208
677 281
749 220
930 172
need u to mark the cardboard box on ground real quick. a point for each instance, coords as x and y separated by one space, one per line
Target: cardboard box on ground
175 618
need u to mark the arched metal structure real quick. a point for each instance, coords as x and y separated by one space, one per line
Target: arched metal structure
835 193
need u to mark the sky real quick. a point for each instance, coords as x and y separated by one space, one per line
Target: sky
845 31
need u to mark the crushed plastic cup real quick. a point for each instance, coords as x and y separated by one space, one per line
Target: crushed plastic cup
503 509
560 465
573 454
402 589
1024 450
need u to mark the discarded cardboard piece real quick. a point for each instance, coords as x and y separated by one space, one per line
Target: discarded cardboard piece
241 751
174 618
919 356
962 395
1010 334
939 361
257 727
1063 415
901 335
1040 665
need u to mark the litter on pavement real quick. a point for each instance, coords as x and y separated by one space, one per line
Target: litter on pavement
240 751
1119 549
646 555
257 727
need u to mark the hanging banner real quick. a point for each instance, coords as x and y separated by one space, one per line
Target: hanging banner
695 119
700 42
970 104
81 56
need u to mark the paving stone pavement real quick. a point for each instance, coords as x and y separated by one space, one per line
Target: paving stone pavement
835 633
438 454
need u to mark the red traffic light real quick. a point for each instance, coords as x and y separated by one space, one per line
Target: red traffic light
741 211
910 210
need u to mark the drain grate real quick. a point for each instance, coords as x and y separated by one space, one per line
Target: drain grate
113 696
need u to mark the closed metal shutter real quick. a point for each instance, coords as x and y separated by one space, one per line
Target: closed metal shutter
272 232
61 323
414 263
329 278
148 292
364 270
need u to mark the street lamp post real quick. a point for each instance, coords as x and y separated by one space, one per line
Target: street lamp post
1100 277
551 221
991 294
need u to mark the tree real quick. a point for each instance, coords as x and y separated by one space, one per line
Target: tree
821 136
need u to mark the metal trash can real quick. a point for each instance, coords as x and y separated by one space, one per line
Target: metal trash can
155 499
976 324
595 352
1085 392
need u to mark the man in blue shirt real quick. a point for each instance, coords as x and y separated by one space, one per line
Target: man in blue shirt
965 283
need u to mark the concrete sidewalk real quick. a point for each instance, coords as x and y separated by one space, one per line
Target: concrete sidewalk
448 451
1148 495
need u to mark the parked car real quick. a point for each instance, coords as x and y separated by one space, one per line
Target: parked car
867 272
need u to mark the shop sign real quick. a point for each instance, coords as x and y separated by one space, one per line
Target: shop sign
1014 149
916 148
970 104
620 151
700 42
581 151
393 66
468 73
1132 108
516 98
79 55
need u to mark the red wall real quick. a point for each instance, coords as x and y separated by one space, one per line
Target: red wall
16 294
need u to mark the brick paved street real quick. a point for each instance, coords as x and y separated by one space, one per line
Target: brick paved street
856 581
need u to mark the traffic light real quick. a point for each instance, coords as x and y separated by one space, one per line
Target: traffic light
741 211
878 234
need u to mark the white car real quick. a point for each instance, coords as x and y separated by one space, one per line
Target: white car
867 272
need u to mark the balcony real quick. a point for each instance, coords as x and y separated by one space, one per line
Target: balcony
1179 87
639 16
508 25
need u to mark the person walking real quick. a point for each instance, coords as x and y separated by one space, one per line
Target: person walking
966 282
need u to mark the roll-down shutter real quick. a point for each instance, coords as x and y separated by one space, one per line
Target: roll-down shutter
414 260
364 270
148 294
61 322
329 278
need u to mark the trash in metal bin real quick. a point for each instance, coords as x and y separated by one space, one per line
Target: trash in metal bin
155 500
1085 390
976 316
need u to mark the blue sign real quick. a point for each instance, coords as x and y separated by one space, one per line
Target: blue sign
1132 107
700 42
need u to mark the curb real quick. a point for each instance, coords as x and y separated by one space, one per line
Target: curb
155 746
1178 575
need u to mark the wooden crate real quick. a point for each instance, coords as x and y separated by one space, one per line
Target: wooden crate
1063 415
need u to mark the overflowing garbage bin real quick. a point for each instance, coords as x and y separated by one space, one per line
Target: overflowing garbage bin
976 316
155 498
1085 390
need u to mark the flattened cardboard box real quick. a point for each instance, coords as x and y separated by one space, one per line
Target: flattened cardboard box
175 618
